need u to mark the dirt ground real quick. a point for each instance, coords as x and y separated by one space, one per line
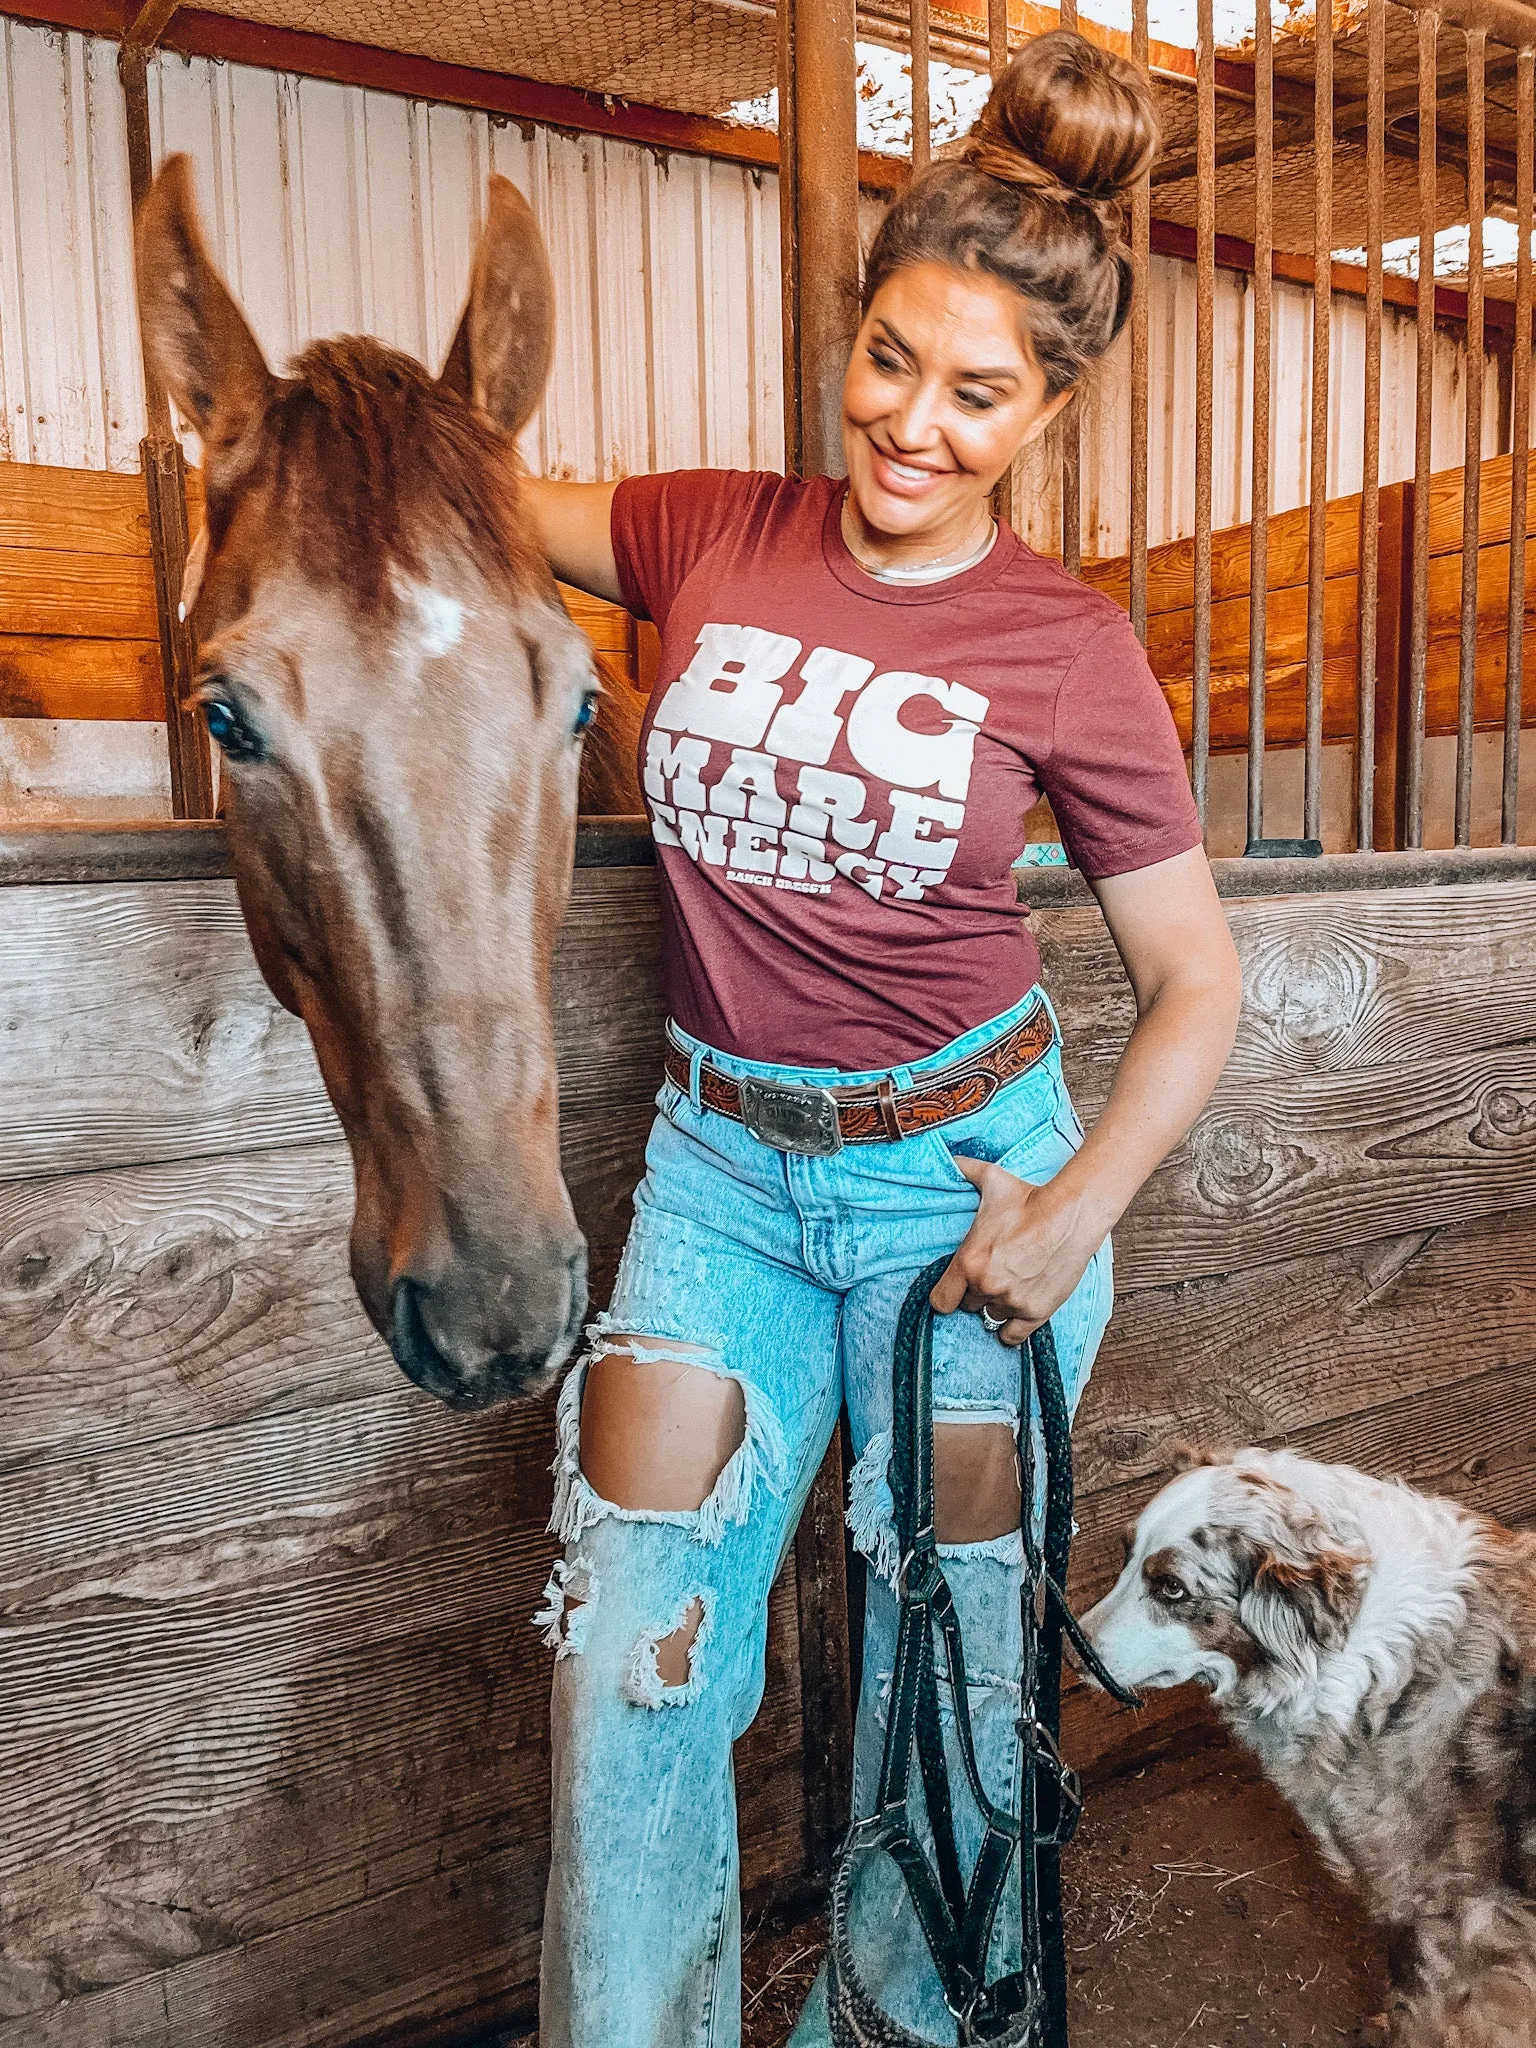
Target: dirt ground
1198 1916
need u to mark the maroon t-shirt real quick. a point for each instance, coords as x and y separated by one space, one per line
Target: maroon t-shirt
837 769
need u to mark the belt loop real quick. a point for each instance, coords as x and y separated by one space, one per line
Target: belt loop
889 1115
695 1063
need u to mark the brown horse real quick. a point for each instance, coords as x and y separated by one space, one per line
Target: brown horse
400 697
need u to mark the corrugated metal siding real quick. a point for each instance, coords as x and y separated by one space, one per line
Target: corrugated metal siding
335 210
69 377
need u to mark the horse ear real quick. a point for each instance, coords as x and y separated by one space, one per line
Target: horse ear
194 333
501 353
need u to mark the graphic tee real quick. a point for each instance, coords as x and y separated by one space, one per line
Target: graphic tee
837 769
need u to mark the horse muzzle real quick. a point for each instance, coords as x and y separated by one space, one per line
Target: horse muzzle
443 1338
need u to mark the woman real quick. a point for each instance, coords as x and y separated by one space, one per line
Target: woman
862 691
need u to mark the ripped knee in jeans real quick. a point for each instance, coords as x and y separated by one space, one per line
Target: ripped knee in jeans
653 1429
977 1497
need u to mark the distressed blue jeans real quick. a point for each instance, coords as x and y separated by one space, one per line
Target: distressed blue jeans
789 1271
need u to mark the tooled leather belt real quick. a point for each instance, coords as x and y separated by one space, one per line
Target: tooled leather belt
798 1118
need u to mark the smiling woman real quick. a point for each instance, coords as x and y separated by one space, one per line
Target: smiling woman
862 688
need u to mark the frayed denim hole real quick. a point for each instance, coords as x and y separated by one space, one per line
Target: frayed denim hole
871 1515
1006 1550
759 1459
641 1684
566 1615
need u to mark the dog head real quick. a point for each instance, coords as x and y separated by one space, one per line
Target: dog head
1236 1578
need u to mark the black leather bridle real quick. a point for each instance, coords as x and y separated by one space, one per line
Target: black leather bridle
1026 2008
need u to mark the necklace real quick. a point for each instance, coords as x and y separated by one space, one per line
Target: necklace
931 571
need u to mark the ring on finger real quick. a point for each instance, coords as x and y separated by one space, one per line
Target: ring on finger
991 1323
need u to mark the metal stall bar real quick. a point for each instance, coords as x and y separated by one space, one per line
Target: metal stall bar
1520 437
1322 340
917 21
1472 460
1205 302
1418 604
1070 424
1141 269
1370 488
819 242
1263 304
997 64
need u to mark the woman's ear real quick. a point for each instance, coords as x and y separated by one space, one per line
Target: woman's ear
1047 413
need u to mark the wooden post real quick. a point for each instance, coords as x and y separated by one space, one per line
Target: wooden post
165 485
818 225
819 248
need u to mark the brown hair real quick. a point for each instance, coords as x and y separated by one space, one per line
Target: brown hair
1034 197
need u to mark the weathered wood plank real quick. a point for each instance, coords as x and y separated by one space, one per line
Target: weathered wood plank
67 677
1277 1169
144 1301
1331 984
443 1951
104 597
1246 1357
458 1943
82 511
268 1670
140 1012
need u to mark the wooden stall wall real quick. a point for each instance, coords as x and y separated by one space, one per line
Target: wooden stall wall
274 1752
273 1732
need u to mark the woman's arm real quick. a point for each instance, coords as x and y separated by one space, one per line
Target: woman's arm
572 522
1029 1246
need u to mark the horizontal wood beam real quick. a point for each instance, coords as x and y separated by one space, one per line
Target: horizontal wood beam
46 855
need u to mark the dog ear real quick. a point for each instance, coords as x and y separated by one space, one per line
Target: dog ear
1187 1456
1302 1600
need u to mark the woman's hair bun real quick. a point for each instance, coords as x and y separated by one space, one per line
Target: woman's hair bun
1067 119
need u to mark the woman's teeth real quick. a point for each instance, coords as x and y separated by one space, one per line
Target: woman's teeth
915 476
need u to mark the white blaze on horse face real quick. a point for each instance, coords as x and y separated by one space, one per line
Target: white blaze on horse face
439 618
807 728
731 688
879 741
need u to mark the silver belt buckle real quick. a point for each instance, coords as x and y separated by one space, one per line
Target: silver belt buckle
790 1118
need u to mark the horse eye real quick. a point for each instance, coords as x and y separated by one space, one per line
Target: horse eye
229 731
587 712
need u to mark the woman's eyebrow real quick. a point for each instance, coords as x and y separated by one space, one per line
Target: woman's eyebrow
895 339
999 376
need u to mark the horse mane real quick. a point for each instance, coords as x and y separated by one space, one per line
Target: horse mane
380 468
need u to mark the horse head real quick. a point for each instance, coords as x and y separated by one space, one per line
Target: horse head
399 695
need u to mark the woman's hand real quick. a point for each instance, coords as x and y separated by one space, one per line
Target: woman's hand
1026 1251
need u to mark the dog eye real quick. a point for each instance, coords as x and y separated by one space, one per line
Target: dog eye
1169 1590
